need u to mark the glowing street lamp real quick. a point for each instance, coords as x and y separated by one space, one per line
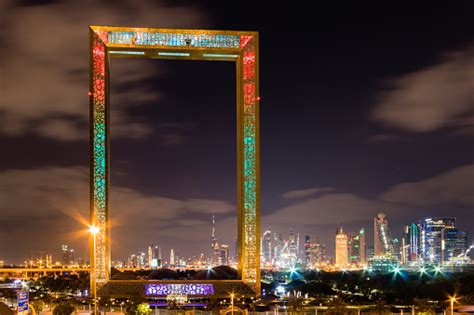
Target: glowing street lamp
232 303
422 271
397 270
94 230
452 299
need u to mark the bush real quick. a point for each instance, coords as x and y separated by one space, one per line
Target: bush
63 308
38 305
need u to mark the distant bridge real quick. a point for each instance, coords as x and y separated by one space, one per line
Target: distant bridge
34 272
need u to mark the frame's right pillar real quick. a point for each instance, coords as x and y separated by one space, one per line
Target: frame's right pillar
248 163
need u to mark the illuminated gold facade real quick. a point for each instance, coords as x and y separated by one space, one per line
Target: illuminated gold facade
125 42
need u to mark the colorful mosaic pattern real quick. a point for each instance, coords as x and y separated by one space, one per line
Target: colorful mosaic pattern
249 197
164 289
201 41
99 157
173 40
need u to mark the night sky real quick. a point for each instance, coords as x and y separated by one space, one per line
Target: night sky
364 109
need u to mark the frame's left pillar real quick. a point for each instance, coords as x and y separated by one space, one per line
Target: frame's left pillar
99 157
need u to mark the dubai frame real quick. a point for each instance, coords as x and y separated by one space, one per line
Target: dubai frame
232 46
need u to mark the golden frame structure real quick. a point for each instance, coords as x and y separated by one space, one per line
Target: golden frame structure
127 42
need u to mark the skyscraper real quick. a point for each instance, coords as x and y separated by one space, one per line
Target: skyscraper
454 243
341 248
172 258
277 248
215 248
224 255
157 255
308 254
412 242
318 252
362 247
293 244
150 255
68 255
354 248
383 242
267 247
298 250
432 238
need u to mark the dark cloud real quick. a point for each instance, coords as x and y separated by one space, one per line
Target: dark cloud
455 186
301 193
402 203
45 66
434 97
33 201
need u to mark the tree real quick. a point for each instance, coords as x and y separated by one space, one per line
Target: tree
423 306
467 299
337 307
380 307
143 308
296 304
38 305
9 294
63 308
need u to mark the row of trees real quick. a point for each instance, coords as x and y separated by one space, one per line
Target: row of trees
364 288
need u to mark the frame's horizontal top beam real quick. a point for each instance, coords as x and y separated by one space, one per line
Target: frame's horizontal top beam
171 30
191 39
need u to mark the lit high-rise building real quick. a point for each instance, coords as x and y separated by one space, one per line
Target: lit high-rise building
314 252
49 260
318 252
292 244
354 248
154 256
215 248
362 247
157 256
383 242
172 258
432 238
67 255
308 255
132 261
454 243
150 255
342 252
277 248
411 247
267 247
298 250
141 260
224 255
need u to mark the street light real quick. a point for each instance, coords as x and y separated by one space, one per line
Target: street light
232 303
93 230
452 299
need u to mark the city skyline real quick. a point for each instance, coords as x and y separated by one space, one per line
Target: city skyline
432 240
345 133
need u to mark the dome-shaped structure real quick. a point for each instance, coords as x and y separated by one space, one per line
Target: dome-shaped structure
217 273
163 274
